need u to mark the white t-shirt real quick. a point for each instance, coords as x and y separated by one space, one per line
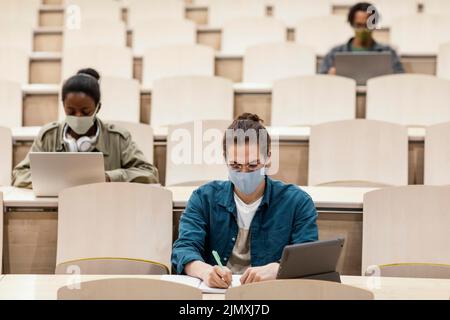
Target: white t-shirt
245 212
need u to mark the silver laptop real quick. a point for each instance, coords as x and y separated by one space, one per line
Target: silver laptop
362 66
312 260
52 172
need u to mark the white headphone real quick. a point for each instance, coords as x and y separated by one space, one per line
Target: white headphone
83 144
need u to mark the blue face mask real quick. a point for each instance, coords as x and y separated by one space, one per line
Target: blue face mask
246 182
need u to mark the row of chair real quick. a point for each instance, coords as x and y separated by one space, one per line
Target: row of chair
402 225
348 153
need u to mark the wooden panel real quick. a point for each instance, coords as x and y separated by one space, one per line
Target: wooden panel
230 69
51 18
55 2
360 105
30 242
137 69
293 163
42 71
382 35
198 15
49 42
40 109
209 38
254 103
416 157
424 65
20 150
160 161
146 101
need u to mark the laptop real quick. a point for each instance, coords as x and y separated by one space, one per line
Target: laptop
312 260
52 172
362 66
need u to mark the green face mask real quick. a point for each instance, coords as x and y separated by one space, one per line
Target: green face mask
81 125
364 35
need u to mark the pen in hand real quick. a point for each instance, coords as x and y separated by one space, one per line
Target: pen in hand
219 263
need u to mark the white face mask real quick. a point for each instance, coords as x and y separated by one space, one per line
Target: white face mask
81 125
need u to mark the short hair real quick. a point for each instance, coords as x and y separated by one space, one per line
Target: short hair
85 81
361 6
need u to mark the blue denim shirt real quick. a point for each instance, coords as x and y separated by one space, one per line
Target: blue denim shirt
285 216
328 60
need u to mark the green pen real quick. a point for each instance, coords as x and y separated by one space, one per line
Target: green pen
217 258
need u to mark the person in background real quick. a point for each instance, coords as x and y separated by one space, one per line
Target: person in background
83 131
360 18
247 220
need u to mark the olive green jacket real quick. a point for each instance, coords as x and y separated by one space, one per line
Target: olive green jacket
124 162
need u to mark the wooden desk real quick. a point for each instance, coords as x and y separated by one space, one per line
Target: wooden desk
31 226
45 287
293 151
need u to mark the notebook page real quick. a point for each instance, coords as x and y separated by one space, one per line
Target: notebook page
235 283
187 280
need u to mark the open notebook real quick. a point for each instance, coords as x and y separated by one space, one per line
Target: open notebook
197 283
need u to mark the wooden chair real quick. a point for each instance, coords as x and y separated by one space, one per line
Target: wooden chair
100 58
162 32
390 10
297 290
411 270
408 99
177 60
130 289
443 61
267 63
96 32
142 135
420 34
6 150
300 101
406 225
221 11
240 34
123 220
139 10
323 33
196 98
99 10
14 65
437 155
10 104
182 165
358 153
292 12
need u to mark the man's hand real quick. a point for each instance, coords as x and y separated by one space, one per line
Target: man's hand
257 274
107 178
217 277
332 71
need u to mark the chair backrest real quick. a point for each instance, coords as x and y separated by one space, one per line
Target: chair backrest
408 99
297 290
16 35
143 10
111 266
124 220
292 12
99 9
142 135
411 270
14 65
196 98
6 158
406 225
10 104
177 60
420 34
437 155
239 34
323 33
302 100
221 11
358 153
130 289
269 62
390 10
185 163
20 12
443 61
436 7
96 33
121 99
100 58
162 32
